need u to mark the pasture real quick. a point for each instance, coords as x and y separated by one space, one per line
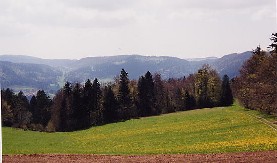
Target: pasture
216 130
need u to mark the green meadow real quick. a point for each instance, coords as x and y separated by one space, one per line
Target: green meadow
217 130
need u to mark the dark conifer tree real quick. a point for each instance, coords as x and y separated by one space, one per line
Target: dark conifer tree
160 95
88 103
77 106
110 106
97 116
142 99
57 112
23 101
21 110
6 113
67 89
124 91
33 105
124 96
9 96
7 107
64 117
146 95
226 92
66 108
150 93
42 110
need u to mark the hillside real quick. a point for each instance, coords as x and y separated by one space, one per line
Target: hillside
35 60
27 76
23 71
216 130
231 64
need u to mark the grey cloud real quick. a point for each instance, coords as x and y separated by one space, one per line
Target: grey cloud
220 4
113 13
58 13
105 5
144 26
220 9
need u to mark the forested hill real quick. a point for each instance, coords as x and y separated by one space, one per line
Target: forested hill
29 76
46 73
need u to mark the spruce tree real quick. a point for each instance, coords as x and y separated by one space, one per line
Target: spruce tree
21 110
110 106
142 97
88 103
97 116
160 95
6 113
226 92
77 106
42 112
7 109
66 108
33 105
146 95
124 96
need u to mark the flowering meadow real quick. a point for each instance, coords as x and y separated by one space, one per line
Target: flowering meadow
216 130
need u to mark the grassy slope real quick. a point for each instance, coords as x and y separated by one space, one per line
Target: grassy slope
215 130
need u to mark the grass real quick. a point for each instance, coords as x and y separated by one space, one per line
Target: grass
217 130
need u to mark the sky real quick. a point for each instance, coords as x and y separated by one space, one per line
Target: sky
75 29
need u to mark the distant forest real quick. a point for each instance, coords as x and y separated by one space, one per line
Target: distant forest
79 106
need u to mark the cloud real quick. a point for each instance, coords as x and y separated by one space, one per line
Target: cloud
58 13
101 5
107 13
213 10
136 26
218 4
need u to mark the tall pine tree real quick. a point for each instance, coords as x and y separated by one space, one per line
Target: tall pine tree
160 95
97 115
77 106
226 96
66 108
146 95
124 96
110 106
42 112
88 103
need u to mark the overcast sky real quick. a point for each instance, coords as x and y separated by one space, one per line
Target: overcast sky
180 28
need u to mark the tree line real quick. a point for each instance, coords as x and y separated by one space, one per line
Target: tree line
256 87
79 106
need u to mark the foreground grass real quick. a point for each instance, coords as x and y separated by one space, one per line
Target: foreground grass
230 129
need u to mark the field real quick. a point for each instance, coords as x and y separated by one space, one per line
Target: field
217 130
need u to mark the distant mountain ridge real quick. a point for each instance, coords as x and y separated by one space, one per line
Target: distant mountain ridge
36 60
32 71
